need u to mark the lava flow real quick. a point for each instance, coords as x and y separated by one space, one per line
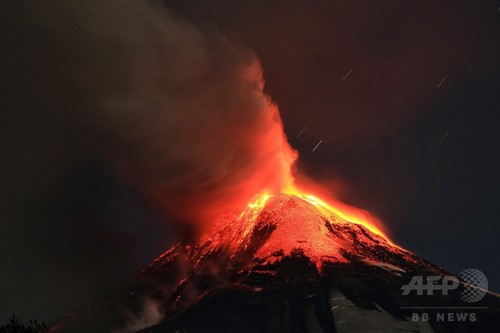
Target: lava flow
285 223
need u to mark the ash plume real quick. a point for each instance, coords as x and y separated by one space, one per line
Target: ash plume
180 112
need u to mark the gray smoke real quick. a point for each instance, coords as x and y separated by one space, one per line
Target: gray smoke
181 111
178 111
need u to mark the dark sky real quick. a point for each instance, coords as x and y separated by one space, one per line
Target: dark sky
422 158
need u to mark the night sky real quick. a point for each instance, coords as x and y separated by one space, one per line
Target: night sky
404 96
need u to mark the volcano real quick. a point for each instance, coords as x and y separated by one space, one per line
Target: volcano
288 263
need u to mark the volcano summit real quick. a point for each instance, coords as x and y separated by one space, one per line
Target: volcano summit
289 263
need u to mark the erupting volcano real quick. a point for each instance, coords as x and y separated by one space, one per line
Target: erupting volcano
133 127
287 263
273 227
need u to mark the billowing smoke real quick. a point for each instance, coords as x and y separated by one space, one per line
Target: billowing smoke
180 112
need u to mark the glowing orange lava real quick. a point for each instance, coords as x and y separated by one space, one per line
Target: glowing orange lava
276 225
348 213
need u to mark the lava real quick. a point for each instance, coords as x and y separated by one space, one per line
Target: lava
273 226
346 212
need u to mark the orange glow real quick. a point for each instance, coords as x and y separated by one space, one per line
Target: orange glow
276 225
349 213
335 207
251 213
254 207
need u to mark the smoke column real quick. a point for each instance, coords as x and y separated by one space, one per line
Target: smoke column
180 112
